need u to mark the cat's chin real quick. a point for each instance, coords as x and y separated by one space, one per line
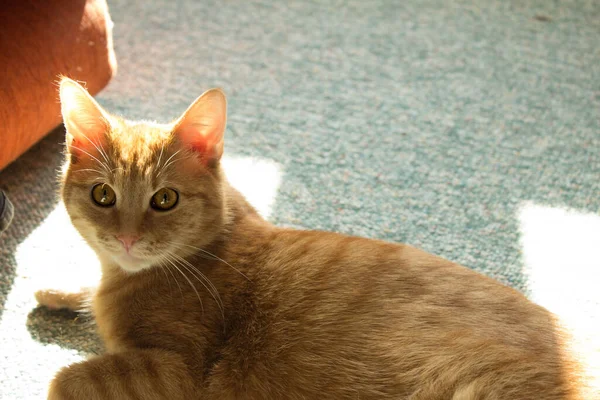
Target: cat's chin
131 263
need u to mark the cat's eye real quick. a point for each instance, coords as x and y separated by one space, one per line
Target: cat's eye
165 199
103 195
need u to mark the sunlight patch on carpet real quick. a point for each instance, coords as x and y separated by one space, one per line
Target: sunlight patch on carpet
52 256
257 179
561 254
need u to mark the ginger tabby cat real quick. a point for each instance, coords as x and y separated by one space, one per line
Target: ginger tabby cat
201 298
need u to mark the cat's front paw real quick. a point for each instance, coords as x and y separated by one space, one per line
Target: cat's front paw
58 299
148 374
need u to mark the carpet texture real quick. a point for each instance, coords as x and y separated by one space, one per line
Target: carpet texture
468 128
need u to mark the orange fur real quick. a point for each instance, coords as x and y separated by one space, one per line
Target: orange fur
227 306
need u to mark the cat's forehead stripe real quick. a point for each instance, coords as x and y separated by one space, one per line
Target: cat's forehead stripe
137 145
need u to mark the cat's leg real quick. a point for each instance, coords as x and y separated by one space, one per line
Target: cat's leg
149 374
59 299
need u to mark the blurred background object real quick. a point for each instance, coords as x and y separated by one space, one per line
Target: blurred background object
40 40
6 212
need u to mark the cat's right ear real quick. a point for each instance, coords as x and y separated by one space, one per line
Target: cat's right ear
85 121
202 126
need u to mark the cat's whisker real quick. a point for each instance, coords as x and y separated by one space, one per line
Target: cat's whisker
211 288
171 163
212 255
100 149
208 281
172 155
168 268
162 149
189 281
166 277
167 162
101 174
175 160
201 255
89 170
103 165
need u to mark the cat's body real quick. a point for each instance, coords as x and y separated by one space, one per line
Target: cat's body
321 315
302 315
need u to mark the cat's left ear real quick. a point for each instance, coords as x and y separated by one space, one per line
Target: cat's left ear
85 121
202 126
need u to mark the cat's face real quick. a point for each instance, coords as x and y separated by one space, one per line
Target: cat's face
143 194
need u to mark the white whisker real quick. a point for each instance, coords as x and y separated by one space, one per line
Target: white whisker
166 278
189 281
162 148
212 255
203 279
167 162
100 149
175 160
99 162
167 266
90 169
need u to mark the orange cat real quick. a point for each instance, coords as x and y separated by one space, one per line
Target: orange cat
201 298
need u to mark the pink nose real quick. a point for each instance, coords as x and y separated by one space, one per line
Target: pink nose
127 241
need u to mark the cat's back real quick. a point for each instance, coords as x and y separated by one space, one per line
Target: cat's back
347 317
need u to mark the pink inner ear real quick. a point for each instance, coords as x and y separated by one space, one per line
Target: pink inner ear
193 139
82 150
206 141
84 146
85 133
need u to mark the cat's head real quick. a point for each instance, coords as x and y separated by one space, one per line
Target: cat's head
139 192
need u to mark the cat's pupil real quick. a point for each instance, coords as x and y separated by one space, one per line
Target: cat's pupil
104 196
165 199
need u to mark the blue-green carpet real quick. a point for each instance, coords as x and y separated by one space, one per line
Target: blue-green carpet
462 127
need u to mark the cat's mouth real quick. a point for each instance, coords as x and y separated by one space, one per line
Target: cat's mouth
131 263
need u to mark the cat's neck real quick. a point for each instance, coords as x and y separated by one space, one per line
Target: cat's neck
240 217
237 207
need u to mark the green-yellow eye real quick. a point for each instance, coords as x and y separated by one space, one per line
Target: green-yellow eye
103 195
165 199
